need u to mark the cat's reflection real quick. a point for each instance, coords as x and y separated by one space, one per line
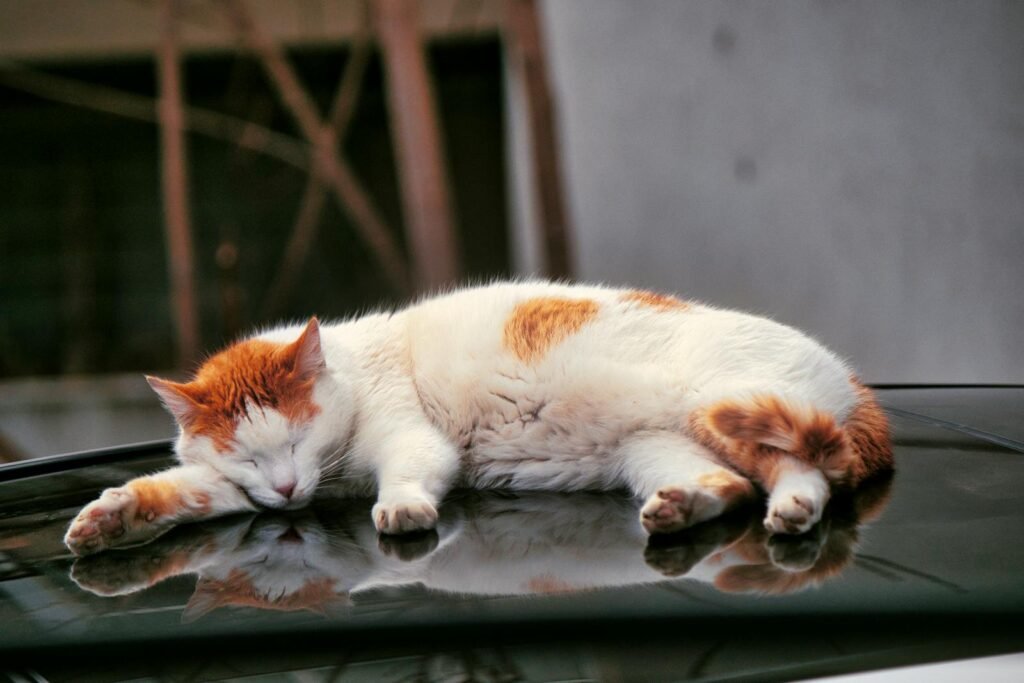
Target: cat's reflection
485 544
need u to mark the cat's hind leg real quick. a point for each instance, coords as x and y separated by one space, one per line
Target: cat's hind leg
679 481
797 495
148 506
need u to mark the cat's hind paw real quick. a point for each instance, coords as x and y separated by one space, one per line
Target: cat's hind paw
401 517
673 508
792 513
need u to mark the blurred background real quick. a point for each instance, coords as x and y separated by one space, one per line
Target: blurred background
176 172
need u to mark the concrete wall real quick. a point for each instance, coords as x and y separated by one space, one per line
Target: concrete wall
852 168
46 416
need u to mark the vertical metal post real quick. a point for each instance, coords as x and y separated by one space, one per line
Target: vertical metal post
426 203
175 186
525 42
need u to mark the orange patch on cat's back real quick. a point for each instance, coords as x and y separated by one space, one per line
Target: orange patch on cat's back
662 302
252 372
538 324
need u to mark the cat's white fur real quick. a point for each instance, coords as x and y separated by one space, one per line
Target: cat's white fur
602 409
417 401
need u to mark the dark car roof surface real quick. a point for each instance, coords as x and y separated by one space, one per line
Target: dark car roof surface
928 565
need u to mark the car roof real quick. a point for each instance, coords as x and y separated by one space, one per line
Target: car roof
922 566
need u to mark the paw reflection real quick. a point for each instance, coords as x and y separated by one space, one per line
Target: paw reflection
408 547
327 557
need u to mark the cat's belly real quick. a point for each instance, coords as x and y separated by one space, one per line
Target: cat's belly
560 444
539 457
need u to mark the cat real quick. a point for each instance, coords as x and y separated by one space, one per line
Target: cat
328 556
529 385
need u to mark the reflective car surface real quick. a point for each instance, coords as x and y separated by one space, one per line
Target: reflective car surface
925 566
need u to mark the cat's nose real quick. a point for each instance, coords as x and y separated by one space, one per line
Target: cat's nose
286 490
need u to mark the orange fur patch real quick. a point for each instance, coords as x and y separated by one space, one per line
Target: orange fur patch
156 499
731 487
538 324
753 435
251 372
868 431
662 302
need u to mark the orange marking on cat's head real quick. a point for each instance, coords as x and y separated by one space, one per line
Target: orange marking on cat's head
249 373
662 302
538 324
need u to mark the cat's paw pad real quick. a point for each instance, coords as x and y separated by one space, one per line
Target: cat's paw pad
792 514
668 510
671 560
102 523
404 516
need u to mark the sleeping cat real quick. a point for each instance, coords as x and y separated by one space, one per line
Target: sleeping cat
530 385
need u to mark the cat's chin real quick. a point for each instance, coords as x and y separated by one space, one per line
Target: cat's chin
279 503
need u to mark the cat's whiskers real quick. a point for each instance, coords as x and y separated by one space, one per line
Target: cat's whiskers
334 461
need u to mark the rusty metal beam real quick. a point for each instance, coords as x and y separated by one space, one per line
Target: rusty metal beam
174 172
526 45
419 150
306 225
351 196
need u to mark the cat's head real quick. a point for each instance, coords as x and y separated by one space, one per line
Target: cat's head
251 413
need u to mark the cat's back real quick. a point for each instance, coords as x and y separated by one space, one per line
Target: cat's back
532 322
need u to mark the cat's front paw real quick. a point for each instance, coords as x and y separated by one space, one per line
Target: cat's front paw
399 517
116 518
101 523
792 513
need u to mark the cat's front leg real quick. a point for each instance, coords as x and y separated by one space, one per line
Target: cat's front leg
147 506
415 469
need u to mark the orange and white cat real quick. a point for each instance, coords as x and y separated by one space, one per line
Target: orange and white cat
531 385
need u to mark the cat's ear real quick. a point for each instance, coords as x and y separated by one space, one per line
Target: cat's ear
176 398
306 352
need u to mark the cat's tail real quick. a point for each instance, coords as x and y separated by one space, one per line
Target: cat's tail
752 432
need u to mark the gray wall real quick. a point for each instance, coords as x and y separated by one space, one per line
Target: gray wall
852 168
